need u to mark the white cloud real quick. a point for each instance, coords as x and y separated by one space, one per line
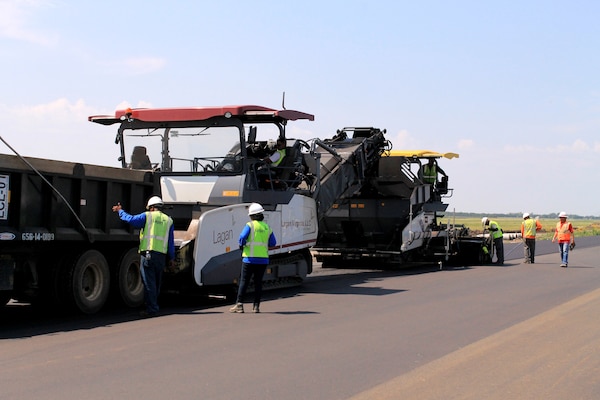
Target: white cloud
580 146
14 21
57 130
57 111
60 115
403 140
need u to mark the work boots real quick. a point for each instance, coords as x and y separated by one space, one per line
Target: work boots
238 308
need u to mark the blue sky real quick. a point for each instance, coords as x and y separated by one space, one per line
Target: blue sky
511 86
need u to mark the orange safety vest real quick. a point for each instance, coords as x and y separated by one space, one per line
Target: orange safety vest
563 232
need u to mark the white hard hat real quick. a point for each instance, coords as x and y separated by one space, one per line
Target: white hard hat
562 214
484 220
525 215
154 201
255 208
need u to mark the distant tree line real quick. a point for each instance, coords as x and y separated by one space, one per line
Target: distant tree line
519 215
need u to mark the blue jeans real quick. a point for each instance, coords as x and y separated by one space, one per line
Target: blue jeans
151 270
251 270
563 248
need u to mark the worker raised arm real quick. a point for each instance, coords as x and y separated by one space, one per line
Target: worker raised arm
156 248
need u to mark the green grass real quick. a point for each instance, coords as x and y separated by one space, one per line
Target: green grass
582 227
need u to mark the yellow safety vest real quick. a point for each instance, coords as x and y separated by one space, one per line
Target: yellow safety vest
495 234
529 228
155 234
257 244
281 155
429 173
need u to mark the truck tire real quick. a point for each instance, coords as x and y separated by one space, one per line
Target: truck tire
309 261
89 282
131 287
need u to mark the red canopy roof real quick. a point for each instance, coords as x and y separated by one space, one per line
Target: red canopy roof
244 112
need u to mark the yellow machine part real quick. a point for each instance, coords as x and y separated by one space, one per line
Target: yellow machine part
420 154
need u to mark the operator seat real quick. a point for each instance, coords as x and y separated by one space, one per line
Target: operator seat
139 159
291 163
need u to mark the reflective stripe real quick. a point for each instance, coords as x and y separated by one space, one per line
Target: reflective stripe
155 234
563 231
257 244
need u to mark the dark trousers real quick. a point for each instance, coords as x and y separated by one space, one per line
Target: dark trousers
499 245
152 265
248 271
529 250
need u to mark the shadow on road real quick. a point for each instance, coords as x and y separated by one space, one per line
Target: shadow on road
24 320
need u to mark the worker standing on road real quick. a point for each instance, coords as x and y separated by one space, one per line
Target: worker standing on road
156 246
529 227
566 238
496 235
255 240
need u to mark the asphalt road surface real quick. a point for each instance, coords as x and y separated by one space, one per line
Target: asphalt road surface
486 332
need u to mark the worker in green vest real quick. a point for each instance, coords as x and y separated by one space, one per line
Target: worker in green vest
268 174
497 238
157 245
429 175
255 240
430 171
529 228
277 156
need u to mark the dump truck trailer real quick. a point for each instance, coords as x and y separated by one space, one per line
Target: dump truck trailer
59 242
